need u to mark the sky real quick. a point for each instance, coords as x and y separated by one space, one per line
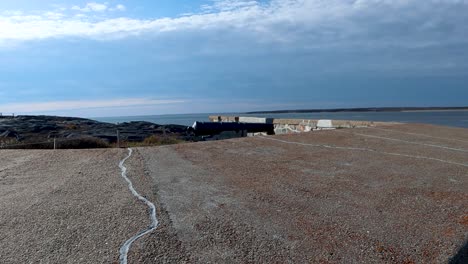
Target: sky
149 57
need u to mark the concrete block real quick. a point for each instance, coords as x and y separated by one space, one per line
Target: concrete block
222 118
214 118
325 124
244 119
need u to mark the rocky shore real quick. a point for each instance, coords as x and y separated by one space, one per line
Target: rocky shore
34 129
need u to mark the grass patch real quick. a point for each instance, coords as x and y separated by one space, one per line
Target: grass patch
72 127
79 143
90 143
153 140
156 140
84 143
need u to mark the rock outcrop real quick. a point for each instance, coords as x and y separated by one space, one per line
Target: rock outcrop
30 129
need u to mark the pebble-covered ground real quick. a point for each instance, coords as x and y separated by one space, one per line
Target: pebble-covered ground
66 206
397 195
392 194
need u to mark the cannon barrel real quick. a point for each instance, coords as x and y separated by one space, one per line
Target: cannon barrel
214 128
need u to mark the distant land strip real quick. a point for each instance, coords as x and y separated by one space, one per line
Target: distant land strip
370 109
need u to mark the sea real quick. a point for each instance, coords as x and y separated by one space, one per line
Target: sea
443 118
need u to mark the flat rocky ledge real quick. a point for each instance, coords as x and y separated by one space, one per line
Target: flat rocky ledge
30 129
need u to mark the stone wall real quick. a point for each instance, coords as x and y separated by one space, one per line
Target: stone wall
290 126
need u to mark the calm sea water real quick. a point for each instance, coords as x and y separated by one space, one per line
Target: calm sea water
449 118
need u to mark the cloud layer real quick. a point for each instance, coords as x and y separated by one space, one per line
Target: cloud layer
409 23
91 7
314 53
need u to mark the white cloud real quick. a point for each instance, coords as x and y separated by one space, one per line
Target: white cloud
229 5
314 23
91 7
53 15
38 107
120 7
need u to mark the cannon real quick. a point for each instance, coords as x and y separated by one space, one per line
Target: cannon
215 128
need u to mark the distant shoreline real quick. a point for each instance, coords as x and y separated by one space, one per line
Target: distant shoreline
373 109
442 110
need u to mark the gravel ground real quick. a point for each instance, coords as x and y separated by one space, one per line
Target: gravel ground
393 194
65 206
256 200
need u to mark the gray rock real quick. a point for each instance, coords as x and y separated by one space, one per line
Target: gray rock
40 128
9 134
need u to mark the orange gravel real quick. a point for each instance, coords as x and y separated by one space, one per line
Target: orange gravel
391 194
255 200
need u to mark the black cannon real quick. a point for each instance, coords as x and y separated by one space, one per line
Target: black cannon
215 128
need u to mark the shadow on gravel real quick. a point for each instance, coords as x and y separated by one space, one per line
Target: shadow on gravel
462 255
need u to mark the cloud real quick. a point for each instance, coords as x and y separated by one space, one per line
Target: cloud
229 5
91 7
119 7
98 7
42 107
308 23
54 15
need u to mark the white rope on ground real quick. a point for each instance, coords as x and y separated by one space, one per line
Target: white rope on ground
408 142
418 134
368 150
154 220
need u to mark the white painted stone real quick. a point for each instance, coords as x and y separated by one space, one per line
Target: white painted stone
252 120
324 124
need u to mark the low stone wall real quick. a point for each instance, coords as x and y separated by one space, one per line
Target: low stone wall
290 126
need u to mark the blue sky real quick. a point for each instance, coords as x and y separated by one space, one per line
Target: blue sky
137 57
